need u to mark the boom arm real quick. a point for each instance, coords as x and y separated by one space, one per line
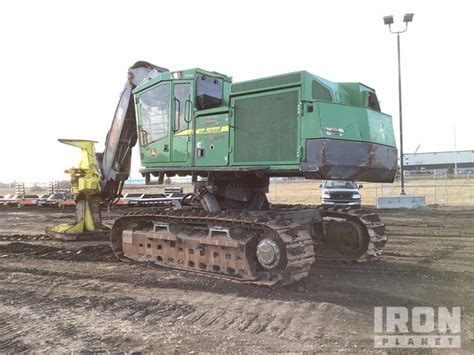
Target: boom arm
115 160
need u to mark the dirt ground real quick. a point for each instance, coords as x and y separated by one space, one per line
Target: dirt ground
77 297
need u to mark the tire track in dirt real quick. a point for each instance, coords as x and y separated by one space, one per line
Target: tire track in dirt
10 337
72 307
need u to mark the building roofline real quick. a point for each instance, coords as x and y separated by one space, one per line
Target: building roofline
447 151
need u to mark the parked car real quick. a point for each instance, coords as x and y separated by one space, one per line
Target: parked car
22 201
340 192
5 199
67 201
58 199
42 198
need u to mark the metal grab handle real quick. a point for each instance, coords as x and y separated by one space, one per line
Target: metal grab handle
187 113
144 137
173 128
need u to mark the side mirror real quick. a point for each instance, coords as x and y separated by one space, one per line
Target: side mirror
320 185
361 186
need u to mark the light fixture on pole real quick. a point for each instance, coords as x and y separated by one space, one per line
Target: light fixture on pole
388 20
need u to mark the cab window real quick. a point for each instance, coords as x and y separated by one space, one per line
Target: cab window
208 92
320 92
373 102
182 106
154 113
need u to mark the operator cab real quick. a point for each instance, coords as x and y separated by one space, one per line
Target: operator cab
170 107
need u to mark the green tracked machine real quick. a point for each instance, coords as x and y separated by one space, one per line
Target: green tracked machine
231 138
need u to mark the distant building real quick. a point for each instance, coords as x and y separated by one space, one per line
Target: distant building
440 161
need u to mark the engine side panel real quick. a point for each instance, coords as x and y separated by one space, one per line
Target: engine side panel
266 128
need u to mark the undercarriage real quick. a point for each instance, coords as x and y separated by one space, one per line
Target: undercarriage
234 233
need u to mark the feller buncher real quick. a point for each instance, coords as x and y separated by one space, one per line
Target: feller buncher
232 138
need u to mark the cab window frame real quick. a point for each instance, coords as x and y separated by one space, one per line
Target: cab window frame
158 119
219 100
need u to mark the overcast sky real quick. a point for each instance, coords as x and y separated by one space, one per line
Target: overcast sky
64 63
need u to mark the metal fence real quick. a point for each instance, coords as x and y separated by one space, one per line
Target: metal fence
447 190
440 189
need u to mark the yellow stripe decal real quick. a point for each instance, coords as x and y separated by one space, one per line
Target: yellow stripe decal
207 130
184 133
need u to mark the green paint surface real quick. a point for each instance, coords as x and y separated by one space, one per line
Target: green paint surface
263 122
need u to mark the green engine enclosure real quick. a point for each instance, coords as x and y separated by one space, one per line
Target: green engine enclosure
295 124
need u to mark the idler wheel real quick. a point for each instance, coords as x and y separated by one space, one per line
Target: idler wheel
349 238
268 253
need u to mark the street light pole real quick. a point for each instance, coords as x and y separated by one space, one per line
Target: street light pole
402 172
455 152
388 20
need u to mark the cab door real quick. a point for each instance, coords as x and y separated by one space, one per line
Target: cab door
181 127
153 124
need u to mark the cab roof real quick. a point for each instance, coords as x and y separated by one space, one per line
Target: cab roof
187 74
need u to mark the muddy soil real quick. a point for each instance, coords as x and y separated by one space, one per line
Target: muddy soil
77 297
